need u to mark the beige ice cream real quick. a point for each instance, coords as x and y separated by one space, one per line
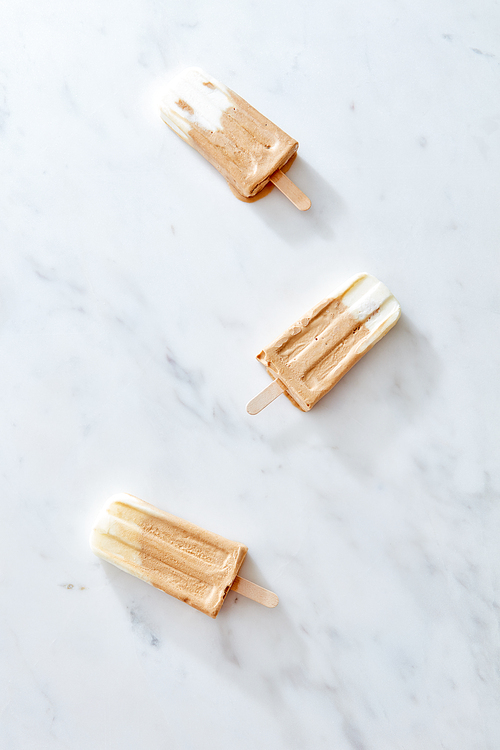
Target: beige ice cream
317 351
173 555
235 138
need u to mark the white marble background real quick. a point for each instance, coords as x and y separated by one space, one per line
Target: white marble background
135 292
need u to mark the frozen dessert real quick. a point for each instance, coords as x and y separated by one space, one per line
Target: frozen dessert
311 356
248 149
176 556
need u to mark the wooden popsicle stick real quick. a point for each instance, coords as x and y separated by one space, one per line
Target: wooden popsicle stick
264 398
254 592
292 192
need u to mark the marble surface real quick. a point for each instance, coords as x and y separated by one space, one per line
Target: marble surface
135 292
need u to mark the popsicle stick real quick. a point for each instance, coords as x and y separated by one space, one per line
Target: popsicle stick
254 592
264 398
292 192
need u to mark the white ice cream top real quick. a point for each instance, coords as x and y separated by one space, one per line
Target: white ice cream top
207 103
371 303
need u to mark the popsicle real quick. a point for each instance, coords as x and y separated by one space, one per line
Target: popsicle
176 556
309 358
248 149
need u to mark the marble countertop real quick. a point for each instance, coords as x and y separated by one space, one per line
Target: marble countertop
135 292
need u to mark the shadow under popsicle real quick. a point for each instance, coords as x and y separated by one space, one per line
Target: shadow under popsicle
248 645
377 399
327 207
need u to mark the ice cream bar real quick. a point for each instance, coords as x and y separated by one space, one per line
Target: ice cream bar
313 354
173 555
246 147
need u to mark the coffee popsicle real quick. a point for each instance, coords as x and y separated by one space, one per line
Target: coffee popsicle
176 556
244 146
311 356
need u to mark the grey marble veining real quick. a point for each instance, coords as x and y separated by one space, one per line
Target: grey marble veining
135 292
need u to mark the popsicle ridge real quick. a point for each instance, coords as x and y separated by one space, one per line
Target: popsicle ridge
152 569
161 553
192 543
231 149
349 327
